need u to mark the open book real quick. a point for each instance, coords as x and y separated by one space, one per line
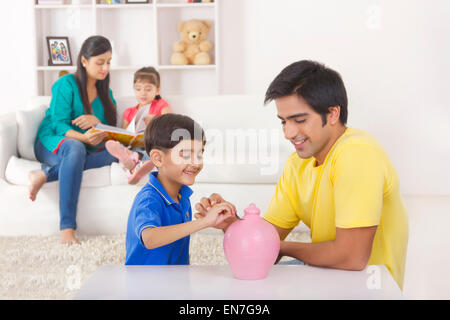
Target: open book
126 137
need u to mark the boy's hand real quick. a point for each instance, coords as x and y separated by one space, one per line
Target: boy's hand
206 204
218 214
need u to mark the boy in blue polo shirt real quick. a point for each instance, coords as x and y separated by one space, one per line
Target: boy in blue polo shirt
160 220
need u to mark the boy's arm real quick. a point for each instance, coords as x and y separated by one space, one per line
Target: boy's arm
160 236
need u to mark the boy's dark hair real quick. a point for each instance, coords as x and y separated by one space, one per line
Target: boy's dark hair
148 74
165 131
319 86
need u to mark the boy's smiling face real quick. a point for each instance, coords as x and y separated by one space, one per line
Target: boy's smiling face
182 163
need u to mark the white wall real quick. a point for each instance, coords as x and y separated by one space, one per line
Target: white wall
17 78
393 56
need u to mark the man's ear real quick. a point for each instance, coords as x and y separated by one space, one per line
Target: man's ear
157 157
333 115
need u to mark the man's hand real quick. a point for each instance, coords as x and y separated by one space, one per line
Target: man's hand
94 138
206 204
86 121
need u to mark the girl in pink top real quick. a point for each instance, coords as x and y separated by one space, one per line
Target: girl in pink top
136 161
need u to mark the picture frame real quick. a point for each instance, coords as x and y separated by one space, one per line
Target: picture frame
59 53
137 1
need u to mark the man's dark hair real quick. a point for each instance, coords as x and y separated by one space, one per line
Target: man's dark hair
319 86
165 131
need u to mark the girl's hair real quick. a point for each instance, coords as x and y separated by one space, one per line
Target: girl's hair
94 46
148 74
165 131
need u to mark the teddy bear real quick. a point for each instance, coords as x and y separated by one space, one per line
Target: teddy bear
193 47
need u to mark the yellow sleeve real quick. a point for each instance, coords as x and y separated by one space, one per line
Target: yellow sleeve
358 179
283 209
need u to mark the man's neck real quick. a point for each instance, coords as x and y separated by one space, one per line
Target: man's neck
336 134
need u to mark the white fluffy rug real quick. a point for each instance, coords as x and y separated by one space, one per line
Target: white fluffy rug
41 268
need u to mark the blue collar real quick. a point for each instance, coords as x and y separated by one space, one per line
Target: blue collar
184 192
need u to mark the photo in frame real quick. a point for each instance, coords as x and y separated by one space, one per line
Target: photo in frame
59 51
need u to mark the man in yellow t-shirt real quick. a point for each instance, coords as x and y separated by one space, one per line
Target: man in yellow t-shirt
339 182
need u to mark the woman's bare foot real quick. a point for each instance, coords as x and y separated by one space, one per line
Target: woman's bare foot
68 237
37 180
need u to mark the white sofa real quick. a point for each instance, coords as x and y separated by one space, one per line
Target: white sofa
230 122
105 197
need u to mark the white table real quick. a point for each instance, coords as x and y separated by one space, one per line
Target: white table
284 282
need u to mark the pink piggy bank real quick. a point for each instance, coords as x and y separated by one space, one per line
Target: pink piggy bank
251 246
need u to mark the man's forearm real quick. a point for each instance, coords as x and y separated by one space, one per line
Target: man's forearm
321 254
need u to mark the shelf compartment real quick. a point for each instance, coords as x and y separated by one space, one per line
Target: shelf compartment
63 6
168 19
126 50
187 67
125 6
186 5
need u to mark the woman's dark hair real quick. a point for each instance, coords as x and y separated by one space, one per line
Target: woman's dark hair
148 74
165 131
319 86
91 47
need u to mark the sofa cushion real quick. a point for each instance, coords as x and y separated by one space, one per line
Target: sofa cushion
251 163
17 173
119 177
28 122
17 170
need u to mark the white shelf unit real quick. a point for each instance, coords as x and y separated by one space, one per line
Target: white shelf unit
142 35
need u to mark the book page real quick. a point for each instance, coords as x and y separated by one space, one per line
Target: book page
139 119
122 135
105 127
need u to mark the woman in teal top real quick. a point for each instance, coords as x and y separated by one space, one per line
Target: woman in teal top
65 143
